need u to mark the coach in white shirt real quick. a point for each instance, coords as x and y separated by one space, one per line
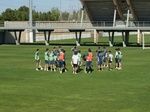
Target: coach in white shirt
75 61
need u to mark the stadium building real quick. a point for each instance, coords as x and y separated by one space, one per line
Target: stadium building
110 16
122 15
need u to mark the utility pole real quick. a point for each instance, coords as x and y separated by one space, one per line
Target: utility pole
30 13
82 16
60 17
30 22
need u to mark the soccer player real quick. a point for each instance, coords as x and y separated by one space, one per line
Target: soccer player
57 52
89 58
105 58
75 61
55 58
64 61
51 61
37 60
110 60
116 58
74 49
60 48
61 59
80 61
98 49
100 56
119 59
46 56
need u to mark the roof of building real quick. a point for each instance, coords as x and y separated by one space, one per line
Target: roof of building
103 10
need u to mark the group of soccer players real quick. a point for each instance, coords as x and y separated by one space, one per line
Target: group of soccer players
55 60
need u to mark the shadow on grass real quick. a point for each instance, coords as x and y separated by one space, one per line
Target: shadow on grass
116 44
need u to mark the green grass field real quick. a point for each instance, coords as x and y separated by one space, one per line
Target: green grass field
22 89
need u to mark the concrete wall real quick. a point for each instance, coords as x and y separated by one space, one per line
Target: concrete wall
61 36
2 35
9 38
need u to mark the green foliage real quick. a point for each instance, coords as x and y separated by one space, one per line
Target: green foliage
55 14
22 14
65 15
1 18
9 15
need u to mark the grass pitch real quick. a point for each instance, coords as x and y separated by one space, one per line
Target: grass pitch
22 89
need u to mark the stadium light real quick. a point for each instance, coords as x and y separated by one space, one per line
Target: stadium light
30 13
60 16
30 22
82 16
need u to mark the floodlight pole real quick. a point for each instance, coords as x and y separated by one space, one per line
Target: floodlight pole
82 16
30 22
30 13
143 37
128 17
60 16
114 21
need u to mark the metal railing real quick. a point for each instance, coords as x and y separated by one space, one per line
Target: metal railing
69 25
139 24
74 24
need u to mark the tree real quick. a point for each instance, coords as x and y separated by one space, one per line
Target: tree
1 18
74 16
55 14
23 13
9 15
65 15
36 16
49 16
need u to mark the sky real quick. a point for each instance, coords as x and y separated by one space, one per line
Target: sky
42 5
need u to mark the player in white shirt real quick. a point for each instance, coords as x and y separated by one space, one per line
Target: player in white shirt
110 60
118 58
74 62
80 60
37 60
